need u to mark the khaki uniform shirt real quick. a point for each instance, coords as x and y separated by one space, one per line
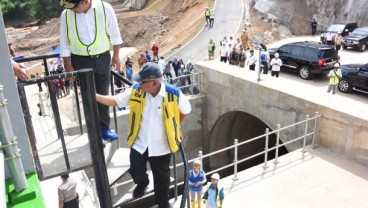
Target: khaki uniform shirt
67 190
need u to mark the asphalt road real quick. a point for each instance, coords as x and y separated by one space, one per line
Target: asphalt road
228 16
349 56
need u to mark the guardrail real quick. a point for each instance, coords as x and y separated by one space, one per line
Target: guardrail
236 145
265 136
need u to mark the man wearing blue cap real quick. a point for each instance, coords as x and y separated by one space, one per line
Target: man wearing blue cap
86 29
156 110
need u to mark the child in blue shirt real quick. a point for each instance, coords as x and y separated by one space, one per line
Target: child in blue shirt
148 56
197 178
129 72
214 193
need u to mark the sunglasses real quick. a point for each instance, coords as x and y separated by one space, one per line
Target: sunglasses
145 81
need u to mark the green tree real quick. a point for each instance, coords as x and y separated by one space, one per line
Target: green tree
16 9
45 9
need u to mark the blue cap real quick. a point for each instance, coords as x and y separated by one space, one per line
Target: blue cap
149 71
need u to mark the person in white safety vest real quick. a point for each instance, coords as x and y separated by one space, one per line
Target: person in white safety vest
86 29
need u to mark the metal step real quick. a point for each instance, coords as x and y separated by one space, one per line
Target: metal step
51 155
119 165
124 194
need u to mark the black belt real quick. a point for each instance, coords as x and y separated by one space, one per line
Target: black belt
93 56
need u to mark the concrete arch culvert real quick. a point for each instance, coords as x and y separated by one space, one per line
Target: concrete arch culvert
242 126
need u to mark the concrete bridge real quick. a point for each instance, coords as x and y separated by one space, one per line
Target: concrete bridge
234 105
234 96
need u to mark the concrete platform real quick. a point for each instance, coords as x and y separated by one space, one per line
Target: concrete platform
320 179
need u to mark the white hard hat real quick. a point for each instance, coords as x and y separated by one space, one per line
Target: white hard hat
197 162
189 61
337 65
277 55
215 176
154 43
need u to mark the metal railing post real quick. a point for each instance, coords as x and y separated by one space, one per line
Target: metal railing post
200 155
305 133
277 144
78 107
93 186
175 177
235 178
114 108
266 150
92 119
315 129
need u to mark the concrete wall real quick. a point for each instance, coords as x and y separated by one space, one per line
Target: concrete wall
232 89
14 107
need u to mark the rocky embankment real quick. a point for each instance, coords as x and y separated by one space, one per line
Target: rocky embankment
297 15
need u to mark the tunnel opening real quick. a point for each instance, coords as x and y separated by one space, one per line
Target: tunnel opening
242 126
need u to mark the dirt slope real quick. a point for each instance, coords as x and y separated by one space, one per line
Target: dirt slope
169 23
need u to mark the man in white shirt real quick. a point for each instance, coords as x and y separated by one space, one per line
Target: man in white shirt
252 60
68 197
223 53
86 29
156 110
276 64
329 37
162 64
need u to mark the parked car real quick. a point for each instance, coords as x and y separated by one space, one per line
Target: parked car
306 58
344 28
357 39
354 77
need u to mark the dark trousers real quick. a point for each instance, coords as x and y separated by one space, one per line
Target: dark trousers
264 67
223 59
74 203
160 167
275 73
252 67
337 48
101 70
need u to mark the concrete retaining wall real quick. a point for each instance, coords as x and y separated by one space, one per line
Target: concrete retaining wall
235 89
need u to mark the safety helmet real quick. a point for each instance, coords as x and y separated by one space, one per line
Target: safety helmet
197 162
69 4
337 65
215 176
277 55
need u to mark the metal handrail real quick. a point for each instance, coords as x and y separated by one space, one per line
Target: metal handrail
315 118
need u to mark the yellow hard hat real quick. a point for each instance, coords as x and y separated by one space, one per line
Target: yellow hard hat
69 4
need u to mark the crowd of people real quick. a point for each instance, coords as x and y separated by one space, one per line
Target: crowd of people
174 71
234 52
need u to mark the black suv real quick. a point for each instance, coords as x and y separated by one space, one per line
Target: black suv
354 77
344 28
357 39
306 58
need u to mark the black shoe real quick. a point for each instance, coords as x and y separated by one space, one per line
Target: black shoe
139 191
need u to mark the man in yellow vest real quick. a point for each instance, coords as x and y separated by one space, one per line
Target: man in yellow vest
207 15
157 109
212 17
214 195
335 76
86 29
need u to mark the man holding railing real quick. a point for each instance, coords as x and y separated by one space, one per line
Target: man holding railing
86 29
157 109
